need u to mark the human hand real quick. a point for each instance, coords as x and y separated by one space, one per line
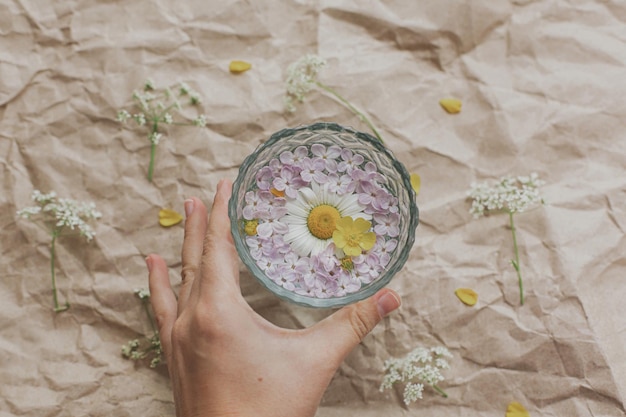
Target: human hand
226 360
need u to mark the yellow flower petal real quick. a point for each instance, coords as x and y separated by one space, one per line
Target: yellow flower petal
515 409
367 241
237 67
339 239
169 217
344 223
352 250
352 235
451 105
362 225
467 296
416 183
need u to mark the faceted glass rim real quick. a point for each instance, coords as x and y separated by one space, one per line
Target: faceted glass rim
238 236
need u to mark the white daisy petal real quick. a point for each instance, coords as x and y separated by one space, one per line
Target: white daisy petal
315 187
331 198
296 232
300 239
300 246
294 219
319 246
363 216
295 209
349 205
309 196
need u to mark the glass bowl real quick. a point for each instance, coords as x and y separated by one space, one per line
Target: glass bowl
273 262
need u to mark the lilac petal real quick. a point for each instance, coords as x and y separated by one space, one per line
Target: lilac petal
301 152
318 149
320 178
394 231
264 230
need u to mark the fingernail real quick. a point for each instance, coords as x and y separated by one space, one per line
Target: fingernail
149 263
188 207
387 303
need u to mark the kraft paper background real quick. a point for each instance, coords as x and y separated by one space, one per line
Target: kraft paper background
542 85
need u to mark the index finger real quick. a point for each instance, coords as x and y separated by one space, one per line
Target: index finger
220 267
195 232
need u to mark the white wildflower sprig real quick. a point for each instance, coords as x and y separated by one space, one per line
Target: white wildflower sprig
136 350
60 216
422 366
158 106
302 78
509 195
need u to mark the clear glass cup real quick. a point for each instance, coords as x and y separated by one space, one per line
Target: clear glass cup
397 183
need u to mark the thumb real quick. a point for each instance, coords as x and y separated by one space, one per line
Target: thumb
343 330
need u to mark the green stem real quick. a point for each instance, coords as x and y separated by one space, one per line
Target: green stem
55 297
181 124
144 303
152 151
515 262
151 167
165 110
440 391
349 105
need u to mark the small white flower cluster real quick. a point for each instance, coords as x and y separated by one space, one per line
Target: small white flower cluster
62 212
155 137
156 107
509 194
302 78
135 349
200 121
142 293
419 367
152 347
194 97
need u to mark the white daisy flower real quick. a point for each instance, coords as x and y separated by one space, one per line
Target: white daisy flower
313 214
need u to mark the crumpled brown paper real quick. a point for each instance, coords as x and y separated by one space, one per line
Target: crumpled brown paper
542 90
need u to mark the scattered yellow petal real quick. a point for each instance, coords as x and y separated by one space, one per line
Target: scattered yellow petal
515 409
416 183
169 217
237 67
467 296
451 105
277 193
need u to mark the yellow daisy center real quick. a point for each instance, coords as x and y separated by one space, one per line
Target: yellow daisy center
322 221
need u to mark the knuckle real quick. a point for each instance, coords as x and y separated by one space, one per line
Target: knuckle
209 243
188 273
197 324
181 335
204 322
160 319
361 323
